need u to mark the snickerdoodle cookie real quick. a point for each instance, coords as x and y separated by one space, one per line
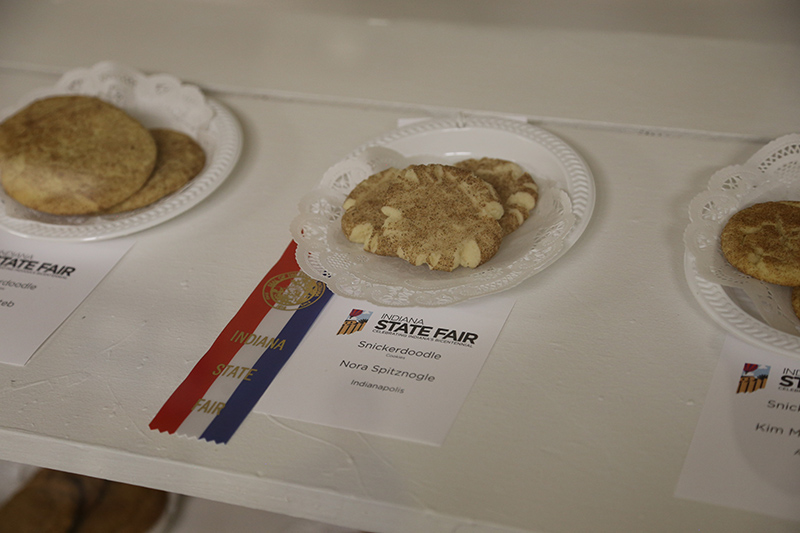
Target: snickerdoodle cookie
73 155
61 502
438 215
516 188
50 501
178 161
763 241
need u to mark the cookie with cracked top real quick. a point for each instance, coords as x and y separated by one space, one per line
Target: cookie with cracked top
763 241
179 159
516 188
439 215
73 155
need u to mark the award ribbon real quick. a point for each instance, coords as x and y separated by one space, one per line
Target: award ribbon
227 382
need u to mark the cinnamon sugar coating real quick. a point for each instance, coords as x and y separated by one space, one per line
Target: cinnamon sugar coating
516 188
763 241
73 155
437 215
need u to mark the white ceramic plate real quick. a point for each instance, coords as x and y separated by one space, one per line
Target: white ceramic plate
567 196
156 101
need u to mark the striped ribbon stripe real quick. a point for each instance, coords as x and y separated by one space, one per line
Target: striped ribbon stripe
266 368
227 382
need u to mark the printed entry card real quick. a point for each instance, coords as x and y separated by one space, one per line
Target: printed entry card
397 372
41 284
745 452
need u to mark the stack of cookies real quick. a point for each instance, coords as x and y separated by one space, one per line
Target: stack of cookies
79 155
763 241
444 216
56 502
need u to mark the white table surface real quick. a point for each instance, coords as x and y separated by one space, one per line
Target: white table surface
585 409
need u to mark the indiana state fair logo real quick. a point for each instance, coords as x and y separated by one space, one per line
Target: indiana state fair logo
355 322
753 378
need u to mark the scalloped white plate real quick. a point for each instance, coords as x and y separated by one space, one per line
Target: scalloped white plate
731 309
563 177
158 100
730 306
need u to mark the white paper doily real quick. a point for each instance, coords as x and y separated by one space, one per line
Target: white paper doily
755 311
565 205
157 101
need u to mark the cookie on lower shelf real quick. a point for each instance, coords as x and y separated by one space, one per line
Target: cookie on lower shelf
60 502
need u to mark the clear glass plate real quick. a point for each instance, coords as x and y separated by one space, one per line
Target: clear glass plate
157 101
565 205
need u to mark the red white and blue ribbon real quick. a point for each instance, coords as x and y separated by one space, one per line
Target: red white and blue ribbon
225 385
